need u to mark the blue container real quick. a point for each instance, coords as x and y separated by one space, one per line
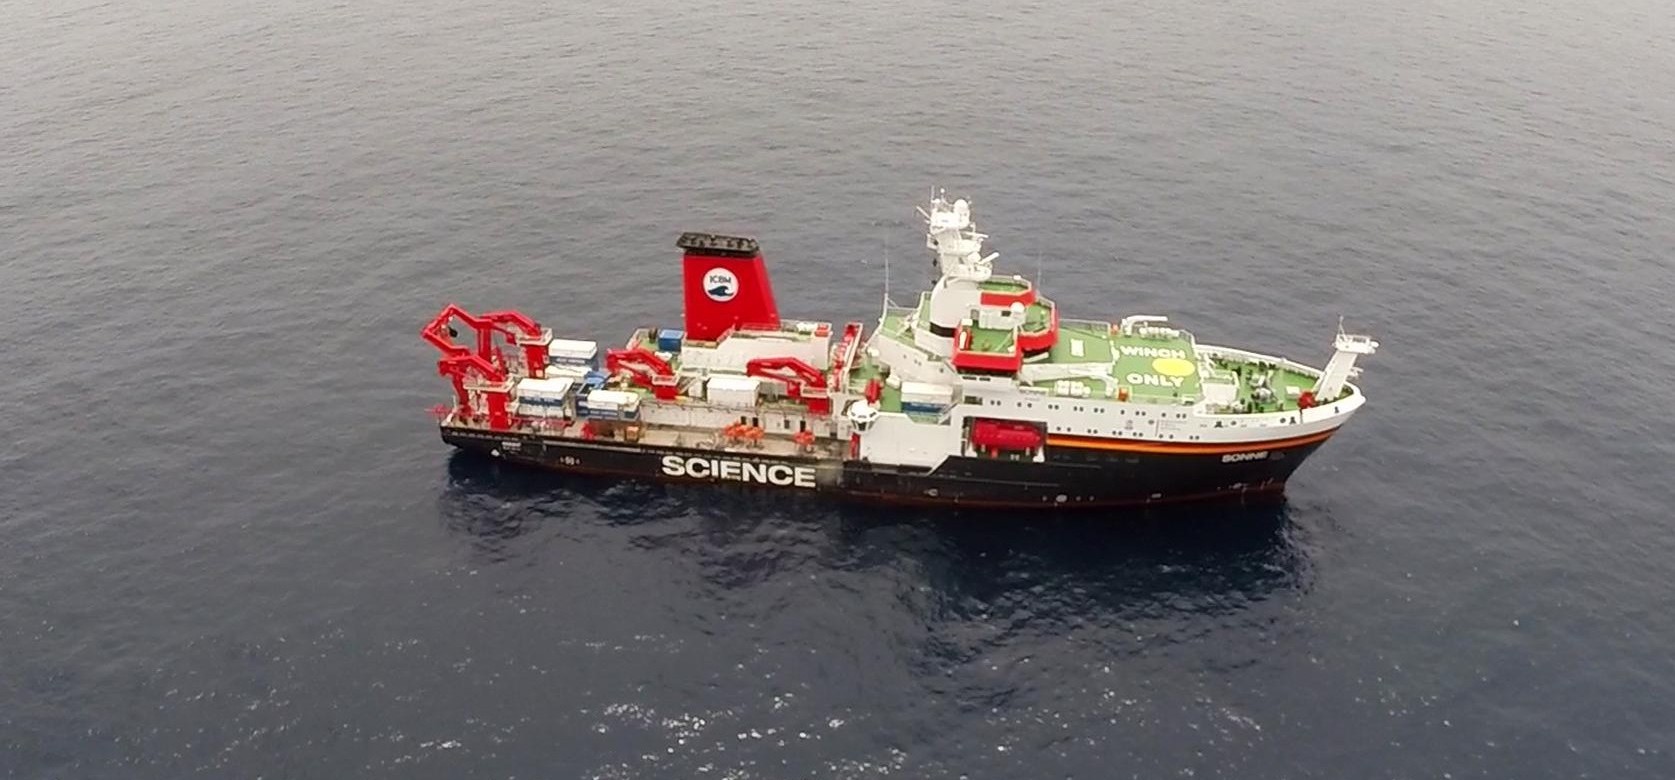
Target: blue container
669 340
593 379
913 408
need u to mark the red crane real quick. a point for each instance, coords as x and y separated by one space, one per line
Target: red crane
843 357
802 381
494 384
488 364
645 368
515 326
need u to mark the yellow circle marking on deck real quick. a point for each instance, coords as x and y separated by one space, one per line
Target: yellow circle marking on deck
1173 367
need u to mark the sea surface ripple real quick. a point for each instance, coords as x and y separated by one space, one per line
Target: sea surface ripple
231 544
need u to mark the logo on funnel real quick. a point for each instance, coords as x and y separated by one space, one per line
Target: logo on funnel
721 285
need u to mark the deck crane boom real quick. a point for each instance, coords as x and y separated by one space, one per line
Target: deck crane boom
492 382
518 329
485 371
802 381
646 369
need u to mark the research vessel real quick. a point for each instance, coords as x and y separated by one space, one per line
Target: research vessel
980 393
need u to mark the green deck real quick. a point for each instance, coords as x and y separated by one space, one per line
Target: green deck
889 399
1037 316
1093 339
1282 380
1165 371
1003 285
1157 369
991 340
895 324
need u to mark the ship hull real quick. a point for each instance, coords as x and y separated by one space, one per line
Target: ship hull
1068 478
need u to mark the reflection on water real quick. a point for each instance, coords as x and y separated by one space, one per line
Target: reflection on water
1052 571
1211 557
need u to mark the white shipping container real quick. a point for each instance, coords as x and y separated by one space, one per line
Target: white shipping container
566 371
551 389
538 410
726 390
571 351
613 400
926 394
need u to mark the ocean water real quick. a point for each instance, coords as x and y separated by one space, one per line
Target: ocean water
231 544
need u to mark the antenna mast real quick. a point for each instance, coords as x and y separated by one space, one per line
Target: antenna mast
886 268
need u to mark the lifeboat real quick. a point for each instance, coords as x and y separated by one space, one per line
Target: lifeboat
1006 435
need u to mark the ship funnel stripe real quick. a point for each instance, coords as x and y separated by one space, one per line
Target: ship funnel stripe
1171 448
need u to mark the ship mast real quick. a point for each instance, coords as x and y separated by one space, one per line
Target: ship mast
951 234
1341 368
961 267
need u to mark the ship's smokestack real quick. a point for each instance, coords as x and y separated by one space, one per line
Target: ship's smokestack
726 285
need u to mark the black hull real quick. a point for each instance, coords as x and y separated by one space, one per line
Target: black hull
1070 477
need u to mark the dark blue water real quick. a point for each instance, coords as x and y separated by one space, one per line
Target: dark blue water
232 546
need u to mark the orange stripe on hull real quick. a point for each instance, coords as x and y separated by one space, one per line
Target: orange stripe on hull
1172 448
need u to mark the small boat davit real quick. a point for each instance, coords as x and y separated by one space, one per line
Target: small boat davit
978 394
